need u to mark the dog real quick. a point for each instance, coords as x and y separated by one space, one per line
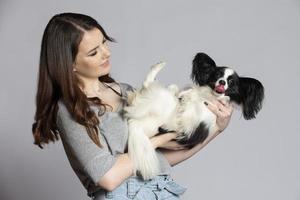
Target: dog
155 108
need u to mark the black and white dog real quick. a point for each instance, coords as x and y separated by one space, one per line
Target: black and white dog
154 108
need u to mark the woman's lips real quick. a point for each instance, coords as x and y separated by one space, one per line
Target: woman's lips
105 64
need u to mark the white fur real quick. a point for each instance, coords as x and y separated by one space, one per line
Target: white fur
155 106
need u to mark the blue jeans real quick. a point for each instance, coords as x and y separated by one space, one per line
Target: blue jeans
159 188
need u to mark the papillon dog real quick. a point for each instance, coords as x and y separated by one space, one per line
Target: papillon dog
155 108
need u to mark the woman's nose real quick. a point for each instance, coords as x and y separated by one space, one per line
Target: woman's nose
106 52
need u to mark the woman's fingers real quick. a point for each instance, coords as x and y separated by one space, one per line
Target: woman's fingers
226 108
161 139
173 145
214 108
220 108
169 136
223 113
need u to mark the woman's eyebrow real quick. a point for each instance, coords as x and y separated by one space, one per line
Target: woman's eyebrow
93 49
104 39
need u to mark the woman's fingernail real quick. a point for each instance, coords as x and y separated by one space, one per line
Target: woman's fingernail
205 103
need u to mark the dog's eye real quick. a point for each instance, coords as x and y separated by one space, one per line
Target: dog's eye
230 81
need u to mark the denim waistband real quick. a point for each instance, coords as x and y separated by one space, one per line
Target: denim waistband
158 183
137 188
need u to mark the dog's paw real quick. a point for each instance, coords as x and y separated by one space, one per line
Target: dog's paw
158 66
173 88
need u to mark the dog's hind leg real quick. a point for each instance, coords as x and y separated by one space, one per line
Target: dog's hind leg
153 72
141 151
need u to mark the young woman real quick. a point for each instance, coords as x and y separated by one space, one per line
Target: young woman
79 101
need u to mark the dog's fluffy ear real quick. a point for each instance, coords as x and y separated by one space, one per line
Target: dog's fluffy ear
203 66
251 96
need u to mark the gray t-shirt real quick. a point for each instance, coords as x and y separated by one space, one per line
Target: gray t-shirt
88 161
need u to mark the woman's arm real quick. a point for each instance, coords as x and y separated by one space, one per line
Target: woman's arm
223 112
121 170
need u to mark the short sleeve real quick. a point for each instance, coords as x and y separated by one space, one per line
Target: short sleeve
94 160
128 87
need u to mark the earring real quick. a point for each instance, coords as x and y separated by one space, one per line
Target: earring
74 70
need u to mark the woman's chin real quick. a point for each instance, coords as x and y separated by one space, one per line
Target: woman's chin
104 70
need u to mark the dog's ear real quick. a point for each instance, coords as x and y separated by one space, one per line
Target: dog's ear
203 66
252 94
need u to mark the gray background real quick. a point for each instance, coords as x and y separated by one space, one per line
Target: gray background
256 159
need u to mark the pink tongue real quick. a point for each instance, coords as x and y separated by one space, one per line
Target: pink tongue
220 88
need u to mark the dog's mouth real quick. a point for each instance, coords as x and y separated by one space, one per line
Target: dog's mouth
219 89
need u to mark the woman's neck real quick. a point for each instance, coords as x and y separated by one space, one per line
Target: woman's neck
93 87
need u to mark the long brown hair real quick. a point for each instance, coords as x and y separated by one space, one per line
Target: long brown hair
56 80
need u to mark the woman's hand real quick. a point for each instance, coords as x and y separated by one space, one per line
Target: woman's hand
223 111
173 145
165 141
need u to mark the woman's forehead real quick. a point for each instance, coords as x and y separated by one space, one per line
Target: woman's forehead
90 40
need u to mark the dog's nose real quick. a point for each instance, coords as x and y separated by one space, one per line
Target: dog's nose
222 82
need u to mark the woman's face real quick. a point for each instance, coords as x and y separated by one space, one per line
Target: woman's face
92 59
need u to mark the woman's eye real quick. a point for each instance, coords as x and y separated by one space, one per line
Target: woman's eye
93 53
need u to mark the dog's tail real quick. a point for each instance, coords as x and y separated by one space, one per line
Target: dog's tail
141 151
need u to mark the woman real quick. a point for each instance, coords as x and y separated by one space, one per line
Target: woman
77 99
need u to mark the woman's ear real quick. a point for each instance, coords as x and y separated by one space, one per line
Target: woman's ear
252 95
203 66
74 66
